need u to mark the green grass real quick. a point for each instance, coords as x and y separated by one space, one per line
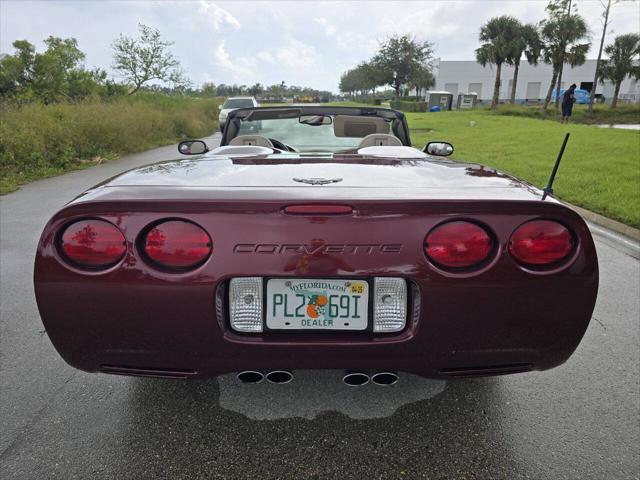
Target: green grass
38 141
602 114
600 170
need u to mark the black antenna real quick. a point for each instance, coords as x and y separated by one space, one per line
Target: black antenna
549 188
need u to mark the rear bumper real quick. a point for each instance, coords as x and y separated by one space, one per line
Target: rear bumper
134 319
451 332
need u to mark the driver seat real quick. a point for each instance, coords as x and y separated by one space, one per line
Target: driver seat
250 140
380 140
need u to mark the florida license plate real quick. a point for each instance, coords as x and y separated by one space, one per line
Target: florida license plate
315 304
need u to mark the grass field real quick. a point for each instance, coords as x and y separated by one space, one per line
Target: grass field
600 169
38 141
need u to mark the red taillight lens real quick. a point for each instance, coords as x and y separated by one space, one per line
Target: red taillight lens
540 242
93 243
458 245
177 244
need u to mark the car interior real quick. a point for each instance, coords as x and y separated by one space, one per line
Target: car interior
374 131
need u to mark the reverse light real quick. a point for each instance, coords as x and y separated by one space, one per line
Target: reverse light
541 243
93 244
458 244
245 304
177 244
389 304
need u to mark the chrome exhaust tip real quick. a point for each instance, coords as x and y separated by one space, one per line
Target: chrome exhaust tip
385 378
279 377
355 379
250 376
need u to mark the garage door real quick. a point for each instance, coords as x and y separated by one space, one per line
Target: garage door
533 90
451 88
476 88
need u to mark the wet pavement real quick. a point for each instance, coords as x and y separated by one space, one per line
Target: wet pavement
578 421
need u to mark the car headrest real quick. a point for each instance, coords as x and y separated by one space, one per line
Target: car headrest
258 140
357 126
242 150
380 140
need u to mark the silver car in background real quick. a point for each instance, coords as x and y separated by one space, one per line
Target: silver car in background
233 103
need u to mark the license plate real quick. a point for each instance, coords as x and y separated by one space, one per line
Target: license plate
315 304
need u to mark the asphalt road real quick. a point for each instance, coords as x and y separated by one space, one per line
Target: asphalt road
578 421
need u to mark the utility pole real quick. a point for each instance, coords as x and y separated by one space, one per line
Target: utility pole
557 102
604 33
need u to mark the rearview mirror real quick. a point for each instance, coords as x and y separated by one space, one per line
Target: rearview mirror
192 147
441 149
315 120
219 107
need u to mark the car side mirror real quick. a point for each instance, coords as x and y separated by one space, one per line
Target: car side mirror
219 107
441 149
192 147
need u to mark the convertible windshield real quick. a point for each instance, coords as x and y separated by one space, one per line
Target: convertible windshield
238 103
309 136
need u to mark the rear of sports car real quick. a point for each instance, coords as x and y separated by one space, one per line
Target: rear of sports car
197 282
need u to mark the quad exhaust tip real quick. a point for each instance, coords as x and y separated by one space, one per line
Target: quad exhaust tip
355 379
276 376
358 379
279 376
385 378
351 379
250 376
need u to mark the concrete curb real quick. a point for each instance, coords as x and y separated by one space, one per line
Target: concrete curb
605 222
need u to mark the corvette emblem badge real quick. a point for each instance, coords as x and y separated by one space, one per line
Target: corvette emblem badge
317 181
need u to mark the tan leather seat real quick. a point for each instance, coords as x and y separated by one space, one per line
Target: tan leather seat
380 140
249 140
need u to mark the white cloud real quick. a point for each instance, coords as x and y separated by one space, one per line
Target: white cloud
242 69
329 29
217 16
297 55
302 43
265 56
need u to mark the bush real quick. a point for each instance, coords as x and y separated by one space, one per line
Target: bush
409 106
41 140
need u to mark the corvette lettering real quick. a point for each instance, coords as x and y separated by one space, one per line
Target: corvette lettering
328 248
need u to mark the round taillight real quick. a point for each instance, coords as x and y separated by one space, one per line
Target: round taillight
458 245
93 243
540 243
176 244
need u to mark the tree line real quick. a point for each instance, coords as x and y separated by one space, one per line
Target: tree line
143 63
560 39
274 92
400 61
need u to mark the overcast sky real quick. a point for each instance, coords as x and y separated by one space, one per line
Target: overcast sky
303 43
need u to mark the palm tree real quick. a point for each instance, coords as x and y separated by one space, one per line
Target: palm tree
498 37
528 43
560 37
622 53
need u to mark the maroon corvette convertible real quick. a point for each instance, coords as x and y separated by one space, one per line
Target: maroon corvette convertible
315 237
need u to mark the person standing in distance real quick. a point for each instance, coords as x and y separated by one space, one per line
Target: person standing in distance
568 99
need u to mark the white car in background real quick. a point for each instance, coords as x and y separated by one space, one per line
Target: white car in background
233 103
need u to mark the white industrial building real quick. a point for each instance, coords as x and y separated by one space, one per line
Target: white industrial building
468 76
